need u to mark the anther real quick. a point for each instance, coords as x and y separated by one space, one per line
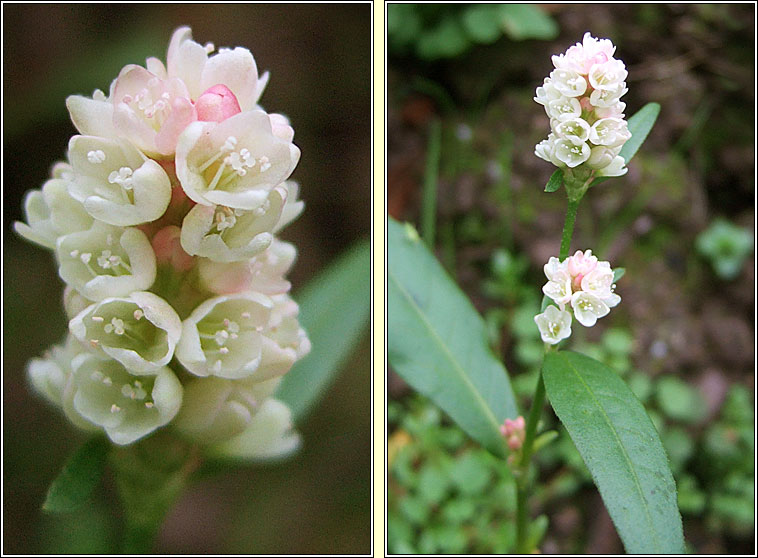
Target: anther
96 157
138 314
115 408
98 319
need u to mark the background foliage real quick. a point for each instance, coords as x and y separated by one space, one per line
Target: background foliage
319 60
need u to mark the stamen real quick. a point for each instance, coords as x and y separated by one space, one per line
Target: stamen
98 319
138 315
149 404
115 408
96 157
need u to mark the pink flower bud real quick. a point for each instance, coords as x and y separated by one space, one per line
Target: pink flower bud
514 442
168 249
216 104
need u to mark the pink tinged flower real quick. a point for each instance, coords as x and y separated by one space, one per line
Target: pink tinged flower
607 75
168 249
265 273
106 261
554 325
588 308
115 182
149 111
235 69
607 97
611 132
599 281
293 207
235 163
126 407
581 263
217 103
570 153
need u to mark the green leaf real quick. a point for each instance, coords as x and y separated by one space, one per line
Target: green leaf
79 477
437 342
555 182
618 273
334 311
526 21
621 448
639 125
679 400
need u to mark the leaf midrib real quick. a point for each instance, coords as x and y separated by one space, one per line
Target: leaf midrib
456 366
621 445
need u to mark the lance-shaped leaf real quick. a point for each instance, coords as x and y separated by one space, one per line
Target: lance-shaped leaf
621 448
437 342
334 311
639 125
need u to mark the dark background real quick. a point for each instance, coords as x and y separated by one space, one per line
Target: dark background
319 60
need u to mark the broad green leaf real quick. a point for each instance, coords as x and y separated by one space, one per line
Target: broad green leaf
79 477
334 311
526 21
639 125
555 182
437 341
621 448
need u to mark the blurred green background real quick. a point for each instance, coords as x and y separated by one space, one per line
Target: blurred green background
461 118
319 60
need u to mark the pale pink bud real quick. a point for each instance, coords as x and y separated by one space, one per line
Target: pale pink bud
168 249
514 442
216 104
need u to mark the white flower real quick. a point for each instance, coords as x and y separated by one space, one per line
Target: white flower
223 336
611 132
235 163
106 261
568 82
554 325
216 409
269 435
293 207
127 407
140 331
223 234
607 75
93 116
50 373
558 286
116 183
576 129
51 213
570 153
615 168
588 308
564 108
601 156
548 92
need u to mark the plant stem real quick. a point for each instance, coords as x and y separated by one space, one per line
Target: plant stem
429 200
568 228
538 401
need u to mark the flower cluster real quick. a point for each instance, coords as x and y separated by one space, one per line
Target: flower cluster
583 284
581 97
163 222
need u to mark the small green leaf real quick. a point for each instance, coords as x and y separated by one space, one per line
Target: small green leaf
437 342
334 311
679 401
79 477
621 448
618 273
555 182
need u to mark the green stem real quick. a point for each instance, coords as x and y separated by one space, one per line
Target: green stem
568 228
429 200
538 401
